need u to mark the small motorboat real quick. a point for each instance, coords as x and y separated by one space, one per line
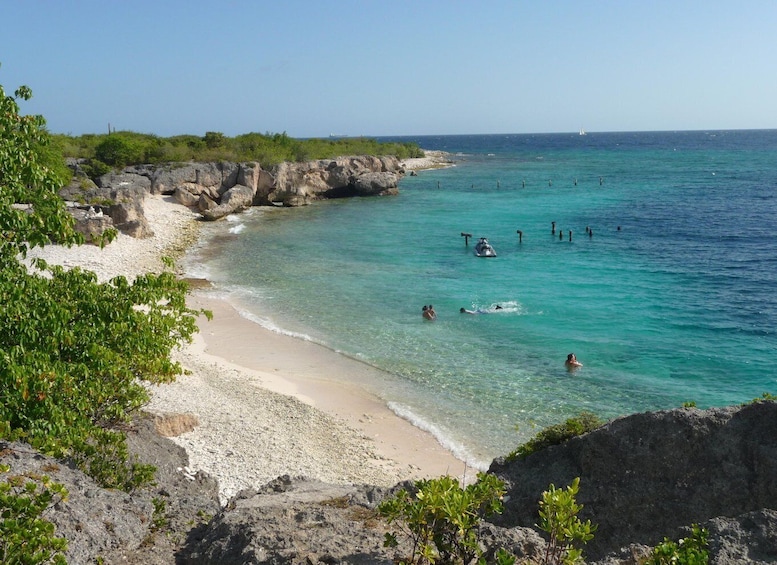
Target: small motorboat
484 249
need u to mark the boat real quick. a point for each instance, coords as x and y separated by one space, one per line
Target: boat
484 249
582 131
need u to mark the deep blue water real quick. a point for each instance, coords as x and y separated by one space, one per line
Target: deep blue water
665 291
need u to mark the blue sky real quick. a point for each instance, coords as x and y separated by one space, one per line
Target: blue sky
369 67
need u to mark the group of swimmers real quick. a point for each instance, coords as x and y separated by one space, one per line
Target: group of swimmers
429 314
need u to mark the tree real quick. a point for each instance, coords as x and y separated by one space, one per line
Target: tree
73 352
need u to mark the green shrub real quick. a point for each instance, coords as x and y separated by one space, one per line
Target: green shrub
765 397
688 551
556 434
558 517
73 352
441 518
94 168
25 537
119 151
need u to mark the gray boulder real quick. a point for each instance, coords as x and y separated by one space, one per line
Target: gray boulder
129 218
376 184
647 476
236 199
116 526
303 521
91 221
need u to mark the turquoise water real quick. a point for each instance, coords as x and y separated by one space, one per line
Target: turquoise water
671 299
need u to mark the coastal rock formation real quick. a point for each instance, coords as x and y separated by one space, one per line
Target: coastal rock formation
91 222
219 189
643 477
647 476
115 526
295 520
297 184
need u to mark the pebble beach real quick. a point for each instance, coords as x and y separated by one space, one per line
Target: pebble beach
265 404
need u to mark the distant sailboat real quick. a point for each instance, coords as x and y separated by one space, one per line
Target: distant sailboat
582 131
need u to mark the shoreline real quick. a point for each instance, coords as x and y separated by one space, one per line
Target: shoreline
273 405
268 404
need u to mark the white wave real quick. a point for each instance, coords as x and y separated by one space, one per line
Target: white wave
268 324
237 229
458 450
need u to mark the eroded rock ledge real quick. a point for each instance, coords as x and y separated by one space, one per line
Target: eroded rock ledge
643 477
219 189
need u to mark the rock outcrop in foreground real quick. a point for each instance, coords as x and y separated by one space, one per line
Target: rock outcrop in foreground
643 477
648 476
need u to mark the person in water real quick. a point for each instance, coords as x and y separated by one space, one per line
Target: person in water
479 310
572 362
429 313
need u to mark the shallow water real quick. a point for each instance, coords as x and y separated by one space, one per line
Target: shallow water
671 299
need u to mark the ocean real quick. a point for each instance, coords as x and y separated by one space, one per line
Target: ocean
650 255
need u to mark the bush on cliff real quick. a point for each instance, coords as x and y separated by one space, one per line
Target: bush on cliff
556 434
441 518
119 149
73 352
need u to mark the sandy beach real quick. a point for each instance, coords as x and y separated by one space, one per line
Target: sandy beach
266 404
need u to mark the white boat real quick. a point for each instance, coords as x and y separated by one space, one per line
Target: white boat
484 249
582 132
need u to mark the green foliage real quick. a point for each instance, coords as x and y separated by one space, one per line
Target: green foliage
25 537
441 519
119 149
689 404
558 517
214 139
159 520
94 168
556 434
73 352
26 179
688 551
765 397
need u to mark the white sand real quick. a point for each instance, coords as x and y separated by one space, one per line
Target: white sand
267 404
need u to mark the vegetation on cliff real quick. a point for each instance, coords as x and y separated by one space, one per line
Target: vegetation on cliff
74 351
104 152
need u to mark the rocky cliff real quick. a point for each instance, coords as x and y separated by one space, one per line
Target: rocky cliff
643 477
219 189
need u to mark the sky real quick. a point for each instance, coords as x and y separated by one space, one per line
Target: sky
392 67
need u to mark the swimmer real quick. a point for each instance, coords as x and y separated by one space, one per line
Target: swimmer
465 311
429 313
572 362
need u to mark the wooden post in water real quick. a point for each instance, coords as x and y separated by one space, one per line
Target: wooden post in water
520 236
466 237
552 228
570 235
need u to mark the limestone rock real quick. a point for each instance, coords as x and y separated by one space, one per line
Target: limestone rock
236 199
376 184
91 222
301 183
129 218
647 476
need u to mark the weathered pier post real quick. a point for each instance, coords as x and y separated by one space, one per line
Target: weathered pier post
466 237
520 236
